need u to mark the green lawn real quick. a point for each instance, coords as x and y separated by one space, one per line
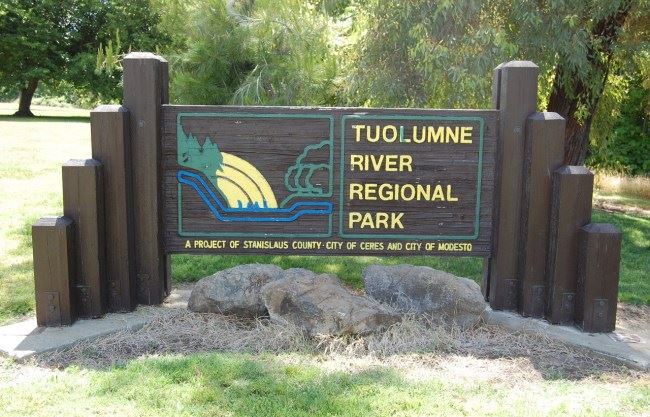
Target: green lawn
32 151
634 286
224 384
31 154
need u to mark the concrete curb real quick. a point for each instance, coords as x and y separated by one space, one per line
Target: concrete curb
24 339
608 345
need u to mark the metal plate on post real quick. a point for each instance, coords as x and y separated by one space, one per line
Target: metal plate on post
537 297
568 307
53 307
85 297
511 294
143 288
600 314
114 297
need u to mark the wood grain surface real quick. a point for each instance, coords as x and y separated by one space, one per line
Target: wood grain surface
273 139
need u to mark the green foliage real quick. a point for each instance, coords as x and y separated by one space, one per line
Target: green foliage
38 36
423 54
56 42
262 52
213 64
441 54
627 149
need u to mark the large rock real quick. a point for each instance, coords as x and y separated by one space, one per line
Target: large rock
424 290
234 291
320 304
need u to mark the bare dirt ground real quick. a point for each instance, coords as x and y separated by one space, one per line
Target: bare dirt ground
621 208
632 323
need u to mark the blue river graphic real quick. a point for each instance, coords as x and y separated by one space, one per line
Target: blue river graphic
251 213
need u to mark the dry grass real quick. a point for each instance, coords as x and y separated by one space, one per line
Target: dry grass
414 340
622 185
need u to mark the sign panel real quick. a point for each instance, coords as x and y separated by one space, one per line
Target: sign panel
324 181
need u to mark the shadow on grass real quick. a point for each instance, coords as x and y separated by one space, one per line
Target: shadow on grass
17 278
16 291
634 285
37 119
235 384
242 385
246 385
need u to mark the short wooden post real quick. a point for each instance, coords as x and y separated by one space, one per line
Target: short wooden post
570 210
598 273
145 90
543 154
54 270
514 94
83 204
109 126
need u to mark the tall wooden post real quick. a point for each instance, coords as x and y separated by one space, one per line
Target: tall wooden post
543 154
83 203
514 94
109 128
145 90
570 210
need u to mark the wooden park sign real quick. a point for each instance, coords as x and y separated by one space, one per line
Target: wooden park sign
170 179
328 181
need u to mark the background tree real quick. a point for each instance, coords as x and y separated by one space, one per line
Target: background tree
441 54
579 51
55 42
593 55
252 52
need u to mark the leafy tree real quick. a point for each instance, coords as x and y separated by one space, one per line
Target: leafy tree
579 50
627 148
425 53
254 52
56 42
441 53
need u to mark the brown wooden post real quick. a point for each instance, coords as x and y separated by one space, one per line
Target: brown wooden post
83 204
598 273
145 90
514 94
543 154
570 210
109 126
54 270
164 73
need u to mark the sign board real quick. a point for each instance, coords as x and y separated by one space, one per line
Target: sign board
328 181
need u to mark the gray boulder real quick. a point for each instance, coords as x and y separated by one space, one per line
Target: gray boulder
424 290
234 291
320 304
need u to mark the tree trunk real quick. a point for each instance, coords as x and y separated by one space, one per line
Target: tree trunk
26 95
573 94
576 135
